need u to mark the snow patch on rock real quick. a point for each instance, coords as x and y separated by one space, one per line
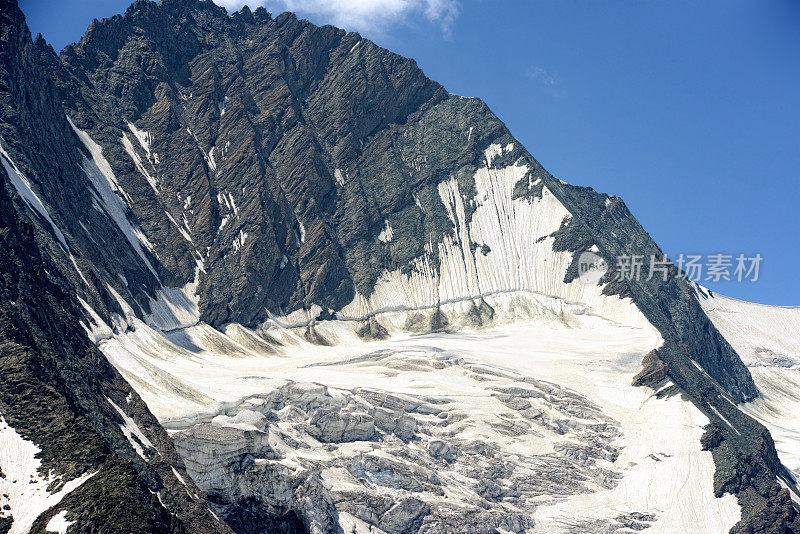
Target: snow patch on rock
132 432
137 160
112 197
387 233
25 191
239 240
58 523
22 488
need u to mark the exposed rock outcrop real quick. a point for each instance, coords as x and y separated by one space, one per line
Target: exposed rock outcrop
180 168
653 370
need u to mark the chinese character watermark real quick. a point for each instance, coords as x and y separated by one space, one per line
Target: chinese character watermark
718 267
711 268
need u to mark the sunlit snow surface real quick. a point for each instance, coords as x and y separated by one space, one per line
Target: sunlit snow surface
59 523
767 340
519 417
572 444
25 492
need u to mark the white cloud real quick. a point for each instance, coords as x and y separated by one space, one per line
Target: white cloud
548 81
360 15
541 75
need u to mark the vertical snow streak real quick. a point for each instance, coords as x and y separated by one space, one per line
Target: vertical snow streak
144 139
24 189
131 431
112 196
505 247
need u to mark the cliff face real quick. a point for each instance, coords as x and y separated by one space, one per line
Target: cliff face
76 442
241 141
265 158
179 167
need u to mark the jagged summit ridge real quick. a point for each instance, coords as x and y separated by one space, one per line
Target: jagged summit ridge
278 121
218 195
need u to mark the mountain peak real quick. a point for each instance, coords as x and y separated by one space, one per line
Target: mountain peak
350 295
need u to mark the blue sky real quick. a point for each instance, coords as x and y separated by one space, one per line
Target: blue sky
690 111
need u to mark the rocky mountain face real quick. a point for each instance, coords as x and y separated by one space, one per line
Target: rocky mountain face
60 399
186 190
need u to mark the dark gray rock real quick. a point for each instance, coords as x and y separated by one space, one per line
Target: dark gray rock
273 153
653 370
54 383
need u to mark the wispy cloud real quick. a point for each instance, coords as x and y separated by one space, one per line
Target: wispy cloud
550 82
542 76
369 16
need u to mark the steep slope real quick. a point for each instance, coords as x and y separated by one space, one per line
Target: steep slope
77 445
67 447
344 145
240 203
765 337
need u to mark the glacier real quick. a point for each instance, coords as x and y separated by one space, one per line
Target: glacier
480 392
337 297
